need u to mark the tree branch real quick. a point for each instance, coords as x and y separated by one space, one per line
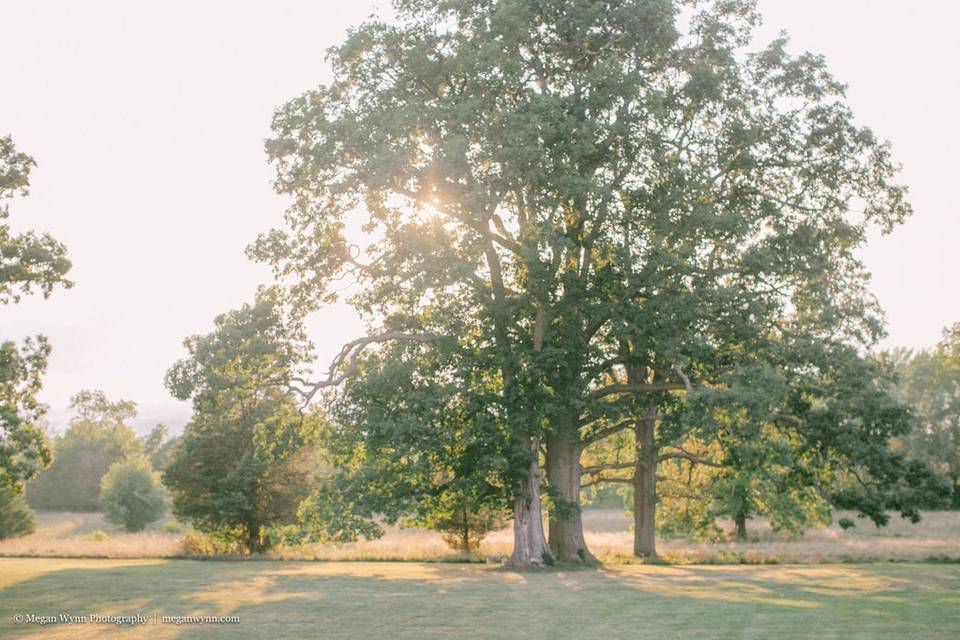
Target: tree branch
645 387
602 480
686 455
606 467
600 434
349 356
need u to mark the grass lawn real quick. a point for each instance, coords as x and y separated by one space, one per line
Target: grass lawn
421 600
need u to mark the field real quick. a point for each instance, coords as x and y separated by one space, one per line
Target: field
274 599
937 537
94 569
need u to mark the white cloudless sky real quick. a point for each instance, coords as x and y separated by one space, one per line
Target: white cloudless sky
147 121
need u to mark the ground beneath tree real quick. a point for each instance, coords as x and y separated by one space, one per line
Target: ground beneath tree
936 537
422 600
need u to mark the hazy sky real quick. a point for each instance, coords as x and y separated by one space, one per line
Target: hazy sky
147 121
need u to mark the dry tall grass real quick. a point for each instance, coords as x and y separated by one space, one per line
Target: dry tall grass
81 535
608 534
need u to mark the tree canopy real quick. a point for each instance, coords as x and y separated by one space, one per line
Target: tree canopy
28 262
929 382
610 206
238 470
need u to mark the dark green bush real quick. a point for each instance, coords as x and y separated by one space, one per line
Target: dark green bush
16 518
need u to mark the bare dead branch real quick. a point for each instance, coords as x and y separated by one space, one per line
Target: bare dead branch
345 363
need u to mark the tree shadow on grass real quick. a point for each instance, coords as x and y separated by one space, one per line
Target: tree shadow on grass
412 600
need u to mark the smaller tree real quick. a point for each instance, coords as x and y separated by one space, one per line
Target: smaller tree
929 381
463 518
159 447
98 437
16 518
243 464
131 494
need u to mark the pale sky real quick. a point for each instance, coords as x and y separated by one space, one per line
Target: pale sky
147 121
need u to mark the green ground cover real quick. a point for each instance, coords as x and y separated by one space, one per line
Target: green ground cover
434 600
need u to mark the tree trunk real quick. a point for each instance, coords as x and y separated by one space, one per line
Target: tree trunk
645 487
740 519
466 531
529 544
253 541
563 474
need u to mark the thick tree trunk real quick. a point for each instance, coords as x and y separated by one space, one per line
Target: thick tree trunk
529 544
566 522
645 488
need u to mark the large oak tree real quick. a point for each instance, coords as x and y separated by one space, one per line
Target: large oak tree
611 205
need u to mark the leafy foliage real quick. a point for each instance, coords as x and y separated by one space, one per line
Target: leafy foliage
416 438
463 521
23 447
131 494
929 381
613 208
242 464
27 261
16 518
98 436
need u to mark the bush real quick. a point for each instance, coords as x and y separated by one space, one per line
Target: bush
174 527
206 545
462 520
131 494
98 535
16 518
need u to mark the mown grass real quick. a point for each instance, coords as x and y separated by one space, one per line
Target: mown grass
417 600
937 537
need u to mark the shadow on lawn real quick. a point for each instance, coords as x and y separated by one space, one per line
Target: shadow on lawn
408 600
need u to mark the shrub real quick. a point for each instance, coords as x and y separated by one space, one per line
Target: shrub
174 527
98 536
462 521
131 494
206 545
16 518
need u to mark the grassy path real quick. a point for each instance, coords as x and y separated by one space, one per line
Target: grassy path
416 600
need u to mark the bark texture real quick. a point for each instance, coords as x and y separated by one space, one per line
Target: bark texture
529 543
645 487
566 522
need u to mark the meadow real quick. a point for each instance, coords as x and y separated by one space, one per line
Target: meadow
272 599
935 538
